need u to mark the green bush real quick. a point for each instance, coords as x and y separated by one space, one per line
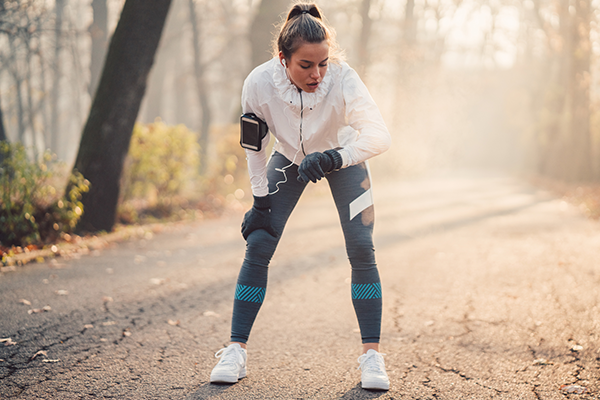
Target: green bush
161 178
33 210
160 170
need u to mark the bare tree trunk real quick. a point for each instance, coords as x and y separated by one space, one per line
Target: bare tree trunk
32 112
262 27
107 133
200 89
154 103
99 34
410 24
43 103
2 131
19 91
168 50
56 72
363 39
580 157
552 143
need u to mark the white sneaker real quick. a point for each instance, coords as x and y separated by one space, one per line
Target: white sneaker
373 371
231 366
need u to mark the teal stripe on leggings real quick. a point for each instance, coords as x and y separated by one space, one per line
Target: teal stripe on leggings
366 291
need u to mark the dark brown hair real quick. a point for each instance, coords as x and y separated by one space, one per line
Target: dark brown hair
304 24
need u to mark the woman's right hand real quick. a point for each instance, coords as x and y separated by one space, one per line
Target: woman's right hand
259 217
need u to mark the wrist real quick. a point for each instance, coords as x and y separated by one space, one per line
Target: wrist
336 159
262 202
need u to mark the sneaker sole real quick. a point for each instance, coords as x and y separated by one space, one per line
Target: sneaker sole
227 378
376 385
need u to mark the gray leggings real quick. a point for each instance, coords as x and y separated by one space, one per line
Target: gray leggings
350 188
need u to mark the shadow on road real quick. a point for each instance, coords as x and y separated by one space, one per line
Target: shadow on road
209 390
395 238
357 392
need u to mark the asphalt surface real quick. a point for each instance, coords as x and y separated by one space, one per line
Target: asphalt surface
490 292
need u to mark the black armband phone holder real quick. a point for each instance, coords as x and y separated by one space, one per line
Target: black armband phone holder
252 131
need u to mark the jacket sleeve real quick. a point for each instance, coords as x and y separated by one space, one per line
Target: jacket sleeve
257 160
362 115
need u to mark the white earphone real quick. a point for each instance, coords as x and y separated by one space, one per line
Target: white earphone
283 61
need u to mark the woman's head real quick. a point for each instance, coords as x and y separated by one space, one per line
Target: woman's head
304 45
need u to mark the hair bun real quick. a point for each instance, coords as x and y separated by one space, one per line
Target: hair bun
301 9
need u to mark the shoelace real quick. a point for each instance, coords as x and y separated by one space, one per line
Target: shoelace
371 362
228 356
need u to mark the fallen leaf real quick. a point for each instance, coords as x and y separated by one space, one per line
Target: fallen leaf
107 299
126 333
574 389
62 292
157 281
173 323
26 302
88 326
103 340
8 342
577 347
210 314
429 323
542 361
109 323
50 361
39 310
39 353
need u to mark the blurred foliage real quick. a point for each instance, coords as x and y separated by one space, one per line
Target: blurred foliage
33 209
161 179
161 165
586 197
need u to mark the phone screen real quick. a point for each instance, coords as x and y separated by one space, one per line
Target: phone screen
250 133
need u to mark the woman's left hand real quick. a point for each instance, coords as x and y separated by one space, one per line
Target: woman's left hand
316 165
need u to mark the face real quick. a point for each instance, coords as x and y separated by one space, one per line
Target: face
307 65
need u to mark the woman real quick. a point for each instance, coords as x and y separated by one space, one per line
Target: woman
327 126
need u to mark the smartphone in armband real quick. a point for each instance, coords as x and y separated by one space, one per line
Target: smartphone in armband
252 131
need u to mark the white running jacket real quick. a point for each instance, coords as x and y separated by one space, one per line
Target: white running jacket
340 114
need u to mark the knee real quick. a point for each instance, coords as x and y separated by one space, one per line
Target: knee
260 245
361 255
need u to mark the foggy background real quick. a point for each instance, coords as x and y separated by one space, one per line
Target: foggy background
497 85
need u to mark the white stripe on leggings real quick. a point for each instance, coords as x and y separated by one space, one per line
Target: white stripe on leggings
360 204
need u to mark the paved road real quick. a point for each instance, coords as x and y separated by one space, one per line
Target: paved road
490 292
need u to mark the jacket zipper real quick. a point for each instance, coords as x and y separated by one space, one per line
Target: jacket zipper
301 118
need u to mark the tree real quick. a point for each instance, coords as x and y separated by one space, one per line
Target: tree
262 27
564 136
2 131
58 43
99 33
107 132
199 72
363 38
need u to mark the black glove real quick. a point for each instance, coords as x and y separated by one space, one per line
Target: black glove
316 165
259 217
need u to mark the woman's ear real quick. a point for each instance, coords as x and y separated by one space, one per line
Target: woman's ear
282 59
